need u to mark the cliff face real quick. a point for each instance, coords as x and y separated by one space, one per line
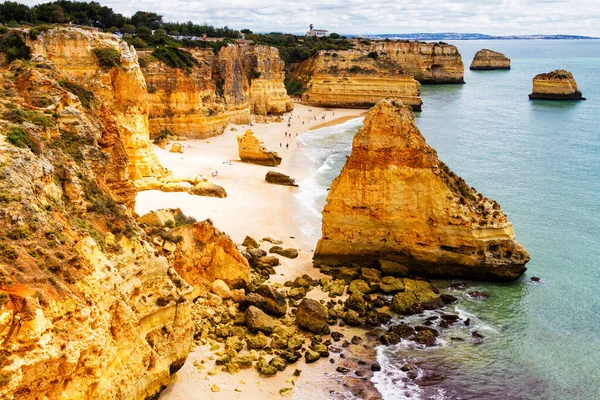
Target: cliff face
87 307
351 78
121 91
395 200
198 103
555 85
427 62
488 60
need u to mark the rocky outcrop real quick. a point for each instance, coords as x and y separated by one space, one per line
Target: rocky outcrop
87 307
204 254
121 92
395 200
427 62
352 78
253 151
200 101
278 178
555 85
488 60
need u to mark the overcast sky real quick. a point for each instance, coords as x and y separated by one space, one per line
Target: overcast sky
496 17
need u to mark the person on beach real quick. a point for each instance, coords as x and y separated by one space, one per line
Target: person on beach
280 145
287 146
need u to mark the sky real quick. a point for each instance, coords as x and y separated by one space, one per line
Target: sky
495 17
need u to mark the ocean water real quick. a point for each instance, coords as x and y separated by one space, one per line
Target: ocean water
541 161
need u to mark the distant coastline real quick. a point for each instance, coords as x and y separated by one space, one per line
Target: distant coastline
469 36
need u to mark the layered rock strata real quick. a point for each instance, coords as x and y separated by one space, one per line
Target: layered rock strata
230 86
555 85
395 200
353 79
430 63
88 309
489 60
253 151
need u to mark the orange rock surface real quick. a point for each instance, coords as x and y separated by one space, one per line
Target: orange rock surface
395 200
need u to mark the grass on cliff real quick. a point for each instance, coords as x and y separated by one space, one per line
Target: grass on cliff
71 144
19 137
85 96
107 57
174 57
19 116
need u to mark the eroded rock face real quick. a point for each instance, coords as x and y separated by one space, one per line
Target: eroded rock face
205 254
121 91
427 62
228 87
351 78
253 151
395 200
87 307
488 60
279 179
555 85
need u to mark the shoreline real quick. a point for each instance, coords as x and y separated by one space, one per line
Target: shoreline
258 209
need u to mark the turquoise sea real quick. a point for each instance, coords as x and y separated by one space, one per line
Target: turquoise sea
541 161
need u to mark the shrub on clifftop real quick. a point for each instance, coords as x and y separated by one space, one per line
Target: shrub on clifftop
107 57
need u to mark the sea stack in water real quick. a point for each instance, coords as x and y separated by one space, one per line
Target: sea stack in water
252 150
487 60
555 85
395 200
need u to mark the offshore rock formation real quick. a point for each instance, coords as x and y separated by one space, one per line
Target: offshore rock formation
351 78
87 307
253 151
555 85
228 87
488 60
395 200
427 62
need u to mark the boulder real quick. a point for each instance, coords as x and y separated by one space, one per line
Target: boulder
250 242
176 148
356 302
288 253
207 189
406 303
311 315
259 341
392 268
253 151
352 318
359 286
221 289
267 299
391 284
280 179
257 320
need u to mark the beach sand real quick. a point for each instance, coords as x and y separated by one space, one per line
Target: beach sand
256 208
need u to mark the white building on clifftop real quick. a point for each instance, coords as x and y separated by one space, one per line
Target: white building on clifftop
317 32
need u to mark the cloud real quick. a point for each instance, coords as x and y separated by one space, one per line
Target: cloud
379 16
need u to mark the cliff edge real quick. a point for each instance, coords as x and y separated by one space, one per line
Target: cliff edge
395 200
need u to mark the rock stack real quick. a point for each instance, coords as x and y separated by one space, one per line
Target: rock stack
488 60
253 151
395 200
555 85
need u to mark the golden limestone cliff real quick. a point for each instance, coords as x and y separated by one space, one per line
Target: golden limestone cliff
121 90
427 62
88 310
90 306
353 78
488 60
200 101
395 200
555 85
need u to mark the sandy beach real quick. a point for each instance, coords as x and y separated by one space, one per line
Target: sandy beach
256 208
